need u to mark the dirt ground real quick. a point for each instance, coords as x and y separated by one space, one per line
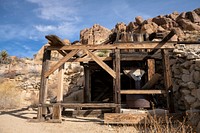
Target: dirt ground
17 121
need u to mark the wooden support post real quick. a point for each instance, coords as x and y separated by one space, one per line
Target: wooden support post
151 68
43 84
57 107
118 80
114 80
56 112
87 85
167 80
60 83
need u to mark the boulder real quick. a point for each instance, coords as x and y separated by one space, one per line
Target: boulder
161 20
197 63
197 11
181 16
198 94
97 34
193 17
179 32
191 85
139 20
131 27
120 27
174 15
194 92
196 77
195 105
192 55
186 64
161 29
185 78
185 91
185 71
149 28
188 25
189 99
198 126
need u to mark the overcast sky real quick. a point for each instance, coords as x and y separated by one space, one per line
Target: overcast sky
24 23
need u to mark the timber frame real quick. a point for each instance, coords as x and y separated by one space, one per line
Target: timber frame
69 51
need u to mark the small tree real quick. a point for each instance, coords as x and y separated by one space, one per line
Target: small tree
3 56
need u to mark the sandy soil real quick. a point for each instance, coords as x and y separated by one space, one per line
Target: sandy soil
17 121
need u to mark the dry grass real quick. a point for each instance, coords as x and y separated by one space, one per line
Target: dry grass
9 95
164 124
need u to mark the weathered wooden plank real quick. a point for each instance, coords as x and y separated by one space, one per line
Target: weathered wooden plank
61 52
101 63
150 45
151 68
167 79
143 91
87 84
88 59
164 41
56 112
86 105
61 62
89 105
55 40
156 77
43 83
166 68
119 118
118 78
60 83
114 82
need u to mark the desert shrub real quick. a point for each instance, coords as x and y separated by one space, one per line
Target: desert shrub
9 95
102 53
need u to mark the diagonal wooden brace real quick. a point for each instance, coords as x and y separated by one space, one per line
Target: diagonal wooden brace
61 62
101 63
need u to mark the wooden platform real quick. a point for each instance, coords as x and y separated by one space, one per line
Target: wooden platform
119 118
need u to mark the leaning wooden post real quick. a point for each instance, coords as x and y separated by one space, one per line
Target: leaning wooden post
167 80
43 84
57 107
118 80
87 84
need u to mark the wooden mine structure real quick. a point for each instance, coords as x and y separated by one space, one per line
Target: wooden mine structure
111 65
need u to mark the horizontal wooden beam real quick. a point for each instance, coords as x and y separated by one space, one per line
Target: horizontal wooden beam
61 62
87 105
138 45
143 92
87 59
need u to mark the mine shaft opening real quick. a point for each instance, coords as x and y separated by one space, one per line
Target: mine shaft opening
101 84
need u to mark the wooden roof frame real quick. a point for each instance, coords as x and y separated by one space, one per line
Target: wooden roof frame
69 51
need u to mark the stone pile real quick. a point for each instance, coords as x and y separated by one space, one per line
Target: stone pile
183 22
185 64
